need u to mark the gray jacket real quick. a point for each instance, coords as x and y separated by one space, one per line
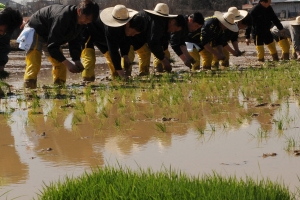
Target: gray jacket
290 31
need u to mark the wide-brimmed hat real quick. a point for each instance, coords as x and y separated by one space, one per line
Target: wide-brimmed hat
296 21
227 19
239 14
161 9
117 16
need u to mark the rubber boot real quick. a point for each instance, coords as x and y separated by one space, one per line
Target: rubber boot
122 74
59 71
206 59
30 83
285 56
195 54
158 66
110 65
275 57
273 51
144 55
88 58
224 64
260 53
131 58
33 66
215 62
285 48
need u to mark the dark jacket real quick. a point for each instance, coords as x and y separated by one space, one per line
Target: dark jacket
262 19
177 39
194 37
57 24
96 32
229 36
4 48
156 35
211 31
116 39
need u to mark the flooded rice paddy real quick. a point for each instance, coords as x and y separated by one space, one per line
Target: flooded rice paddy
196 123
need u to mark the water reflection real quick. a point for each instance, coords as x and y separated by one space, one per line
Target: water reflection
69 136
12 170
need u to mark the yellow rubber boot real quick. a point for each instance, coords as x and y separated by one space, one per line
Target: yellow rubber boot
214 62
195 54
59 71
144 55
88 59
206 59
260 53
110 65
131 58
273 51
225 63
33 66
157 63
285 48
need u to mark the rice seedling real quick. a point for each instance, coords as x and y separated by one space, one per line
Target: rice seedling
76 119
161 127
200 130
88 91
80 106
117 123
279 124
225 125
104 112
261 134
53 115
291 143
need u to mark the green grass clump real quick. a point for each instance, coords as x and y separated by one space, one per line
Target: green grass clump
115 183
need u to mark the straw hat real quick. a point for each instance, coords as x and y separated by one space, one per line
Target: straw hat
239 14
161 9
295 22
117 16
227 19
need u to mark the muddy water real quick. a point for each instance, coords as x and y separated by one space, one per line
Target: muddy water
106 129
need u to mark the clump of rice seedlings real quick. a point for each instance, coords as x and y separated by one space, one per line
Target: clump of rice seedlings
279 124
261 134
117 123
149 114
88 91
104 112
80 106
116 183
225 125
291 143
53 116
35 104
200 130
240 120
212 127
161 127
131 117
76 119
